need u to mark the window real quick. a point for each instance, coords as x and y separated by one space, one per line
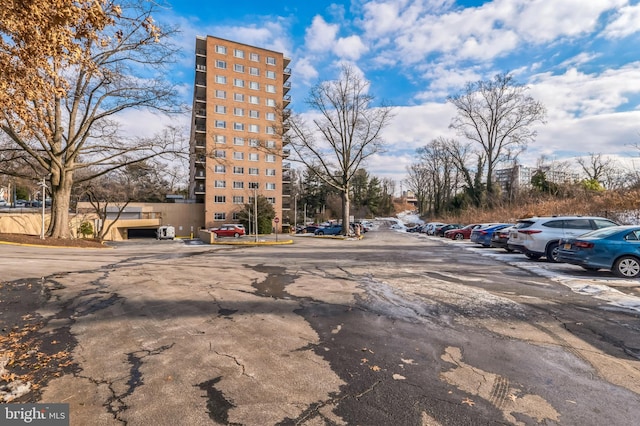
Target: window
221 64
270 130
238 185
219 199
238 141
254 185
219 216
238 170
254 114
238 126
220 139
253 156
220 153
272 200
238 199
271 102
271 60
254 142
271 144
254 71
235 216
238 111
270 172
220 184
270 116
238 53
238 68
221 109
239 97
219 168
270 186
238 82
270 158
254 85
254 128
251 200
271 75
221 79
221 124
270 88
255 100
221 94
254 57
238 155
254 171
221 49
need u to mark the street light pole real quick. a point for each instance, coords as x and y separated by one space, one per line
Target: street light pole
255 211
44 194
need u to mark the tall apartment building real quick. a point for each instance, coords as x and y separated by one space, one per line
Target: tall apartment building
237 141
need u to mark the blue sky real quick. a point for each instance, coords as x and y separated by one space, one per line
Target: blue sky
580 58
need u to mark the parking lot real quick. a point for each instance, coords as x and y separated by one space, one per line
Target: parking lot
392 329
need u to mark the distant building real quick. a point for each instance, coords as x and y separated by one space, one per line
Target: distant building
519 177
237 142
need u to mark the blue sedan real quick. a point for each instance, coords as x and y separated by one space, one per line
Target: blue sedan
616 248
483 234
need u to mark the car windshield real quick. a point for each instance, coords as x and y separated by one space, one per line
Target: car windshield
601 233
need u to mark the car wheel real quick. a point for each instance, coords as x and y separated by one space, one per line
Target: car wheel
552 252
320 233
459 236
533 256
236 235
627 267
509 250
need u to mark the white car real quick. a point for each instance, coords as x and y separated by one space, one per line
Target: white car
536 237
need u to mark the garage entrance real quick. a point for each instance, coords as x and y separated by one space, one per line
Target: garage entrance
133 233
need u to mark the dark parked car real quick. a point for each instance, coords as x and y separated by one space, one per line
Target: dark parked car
440 230
309 229
616 248
463 233
500 239
483 234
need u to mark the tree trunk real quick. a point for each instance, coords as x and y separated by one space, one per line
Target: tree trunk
60 196
345 212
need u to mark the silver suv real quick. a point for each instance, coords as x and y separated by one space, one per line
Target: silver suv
539 236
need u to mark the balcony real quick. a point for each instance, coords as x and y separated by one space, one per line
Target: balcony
201 128
201 52
286 153
286 61
201 159
200 174
286 87
286 140
199 189
286 166
201 113
201 68
286 73
286 177
201 82
286 100
202 99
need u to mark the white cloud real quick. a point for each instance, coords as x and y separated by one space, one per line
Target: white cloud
321 36
350 48
304 70
626 22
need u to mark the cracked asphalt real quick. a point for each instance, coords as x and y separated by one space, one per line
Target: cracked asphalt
394 329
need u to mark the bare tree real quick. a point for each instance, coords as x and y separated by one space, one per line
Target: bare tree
596 167
498 115
418 180
343 134
57 136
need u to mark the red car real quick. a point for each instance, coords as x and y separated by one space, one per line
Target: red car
229 231
462 233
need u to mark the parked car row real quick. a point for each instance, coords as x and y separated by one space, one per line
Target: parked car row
590 242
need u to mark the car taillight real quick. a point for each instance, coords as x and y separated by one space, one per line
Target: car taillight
583 244
483 232
529 232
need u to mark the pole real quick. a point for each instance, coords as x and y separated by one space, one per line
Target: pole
255 211
295 214
44 189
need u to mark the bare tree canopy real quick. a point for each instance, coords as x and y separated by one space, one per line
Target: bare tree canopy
346 131
498 115
111 59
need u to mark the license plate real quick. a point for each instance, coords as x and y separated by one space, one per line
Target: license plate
567 246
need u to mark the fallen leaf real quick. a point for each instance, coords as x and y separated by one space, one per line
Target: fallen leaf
469 402
375 368
364 360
